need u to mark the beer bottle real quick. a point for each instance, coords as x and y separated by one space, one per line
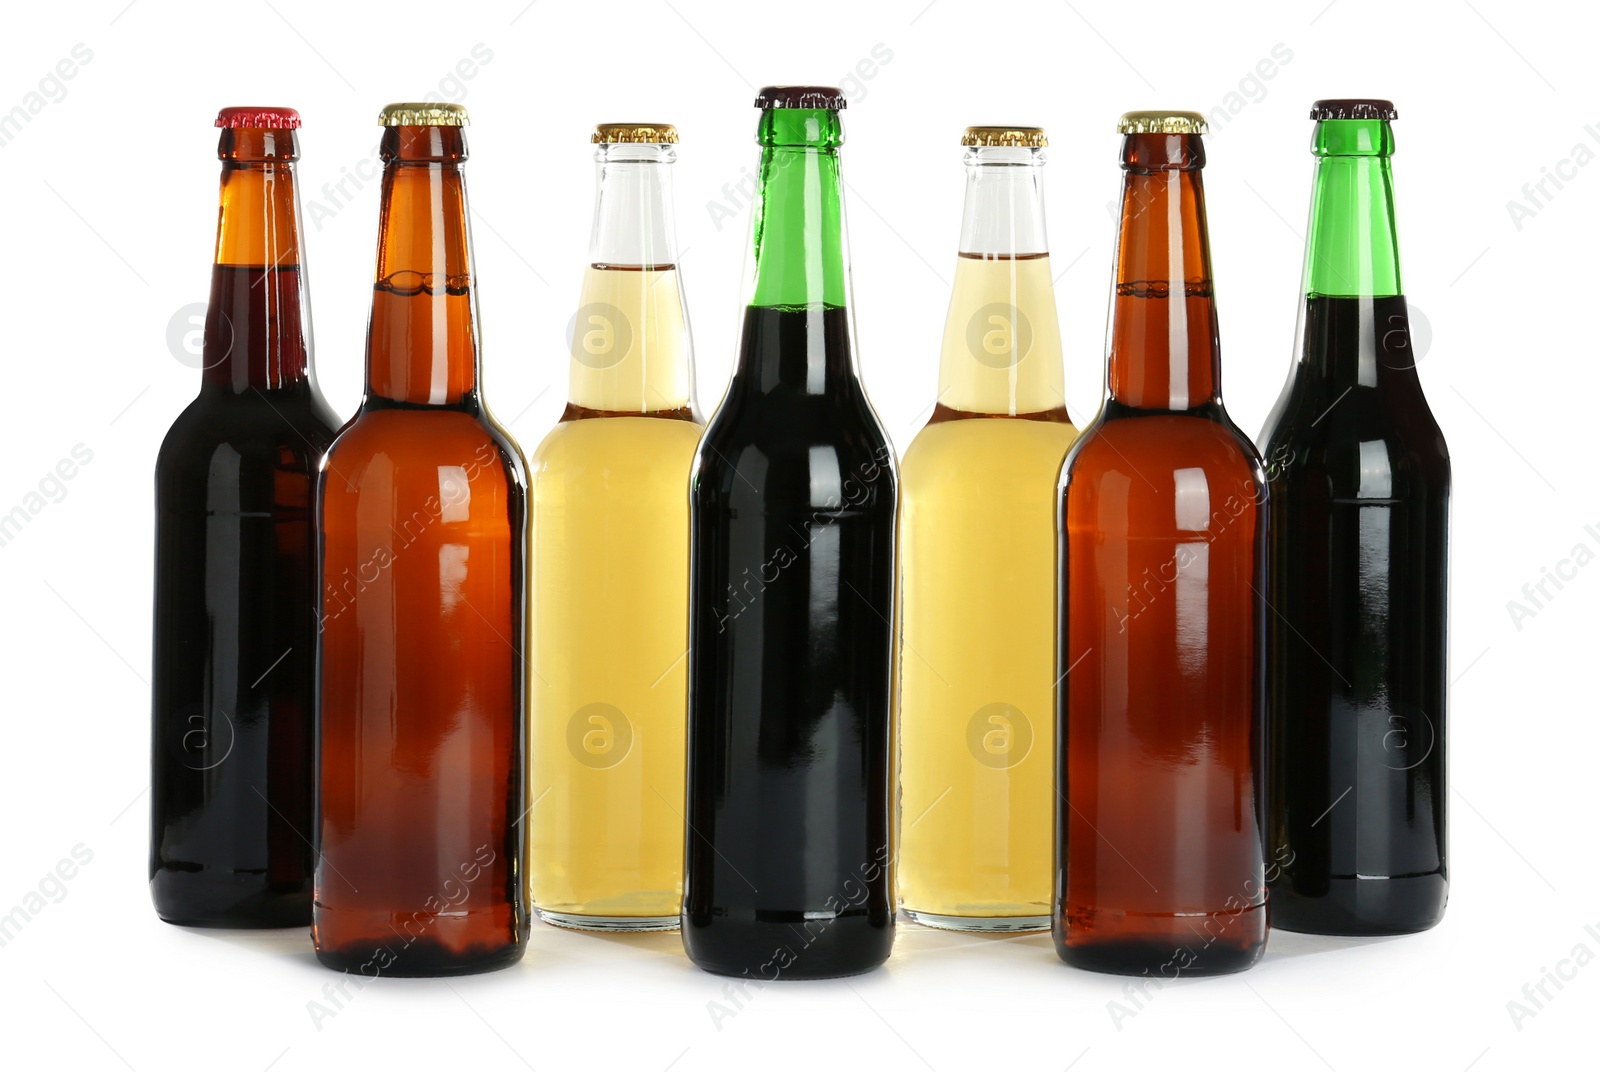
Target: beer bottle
235 576
977 538
611 568
1360 484
792 515
1160 865
423 520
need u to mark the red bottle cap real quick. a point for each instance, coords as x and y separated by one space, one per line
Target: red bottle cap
259 119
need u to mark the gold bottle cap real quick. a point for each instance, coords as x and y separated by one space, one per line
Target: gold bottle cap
636 133
421 114
1161 122
1030 137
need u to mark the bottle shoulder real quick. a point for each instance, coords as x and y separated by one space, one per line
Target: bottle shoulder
638 440
793 449
423 439
1343 437
793 424
985 449
796 465
273 429
639 459
1158 455
1167 435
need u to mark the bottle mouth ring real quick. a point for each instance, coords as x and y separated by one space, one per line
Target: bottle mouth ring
406 144
1163 152
258 145
1352 138
618 152
1003 156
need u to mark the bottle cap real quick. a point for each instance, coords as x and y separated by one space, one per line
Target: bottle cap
638 133
241 118
1354 108
1161 122
1029 137
801 97
422 115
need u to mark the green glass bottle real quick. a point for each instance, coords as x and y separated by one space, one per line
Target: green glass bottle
792 519
1358 534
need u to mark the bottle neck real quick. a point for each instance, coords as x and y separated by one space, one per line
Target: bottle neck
257 320
1002 341
630 339
1351 247
798 240
1163 352
1354 329
797 333
1004 211
422 341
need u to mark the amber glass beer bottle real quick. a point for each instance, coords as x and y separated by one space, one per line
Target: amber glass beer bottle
977 550
792 515
234 645
1359 535
424 529
1160 859
611 568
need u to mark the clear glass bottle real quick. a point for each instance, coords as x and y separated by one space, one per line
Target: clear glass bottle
976 720
610 560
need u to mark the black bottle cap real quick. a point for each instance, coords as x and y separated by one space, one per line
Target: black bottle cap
800 97
1354 108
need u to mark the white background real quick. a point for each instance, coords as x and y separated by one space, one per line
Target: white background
109 195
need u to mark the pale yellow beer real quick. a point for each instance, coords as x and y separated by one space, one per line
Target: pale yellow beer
977 558
610 525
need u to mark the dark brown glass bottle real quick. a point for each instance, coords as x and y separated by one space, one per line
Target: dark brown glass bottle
235 627
424 530
1160 866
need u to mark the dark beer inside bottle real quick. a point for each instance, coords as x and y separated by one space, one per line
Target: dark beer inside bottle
791 558
234 633
1360 480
